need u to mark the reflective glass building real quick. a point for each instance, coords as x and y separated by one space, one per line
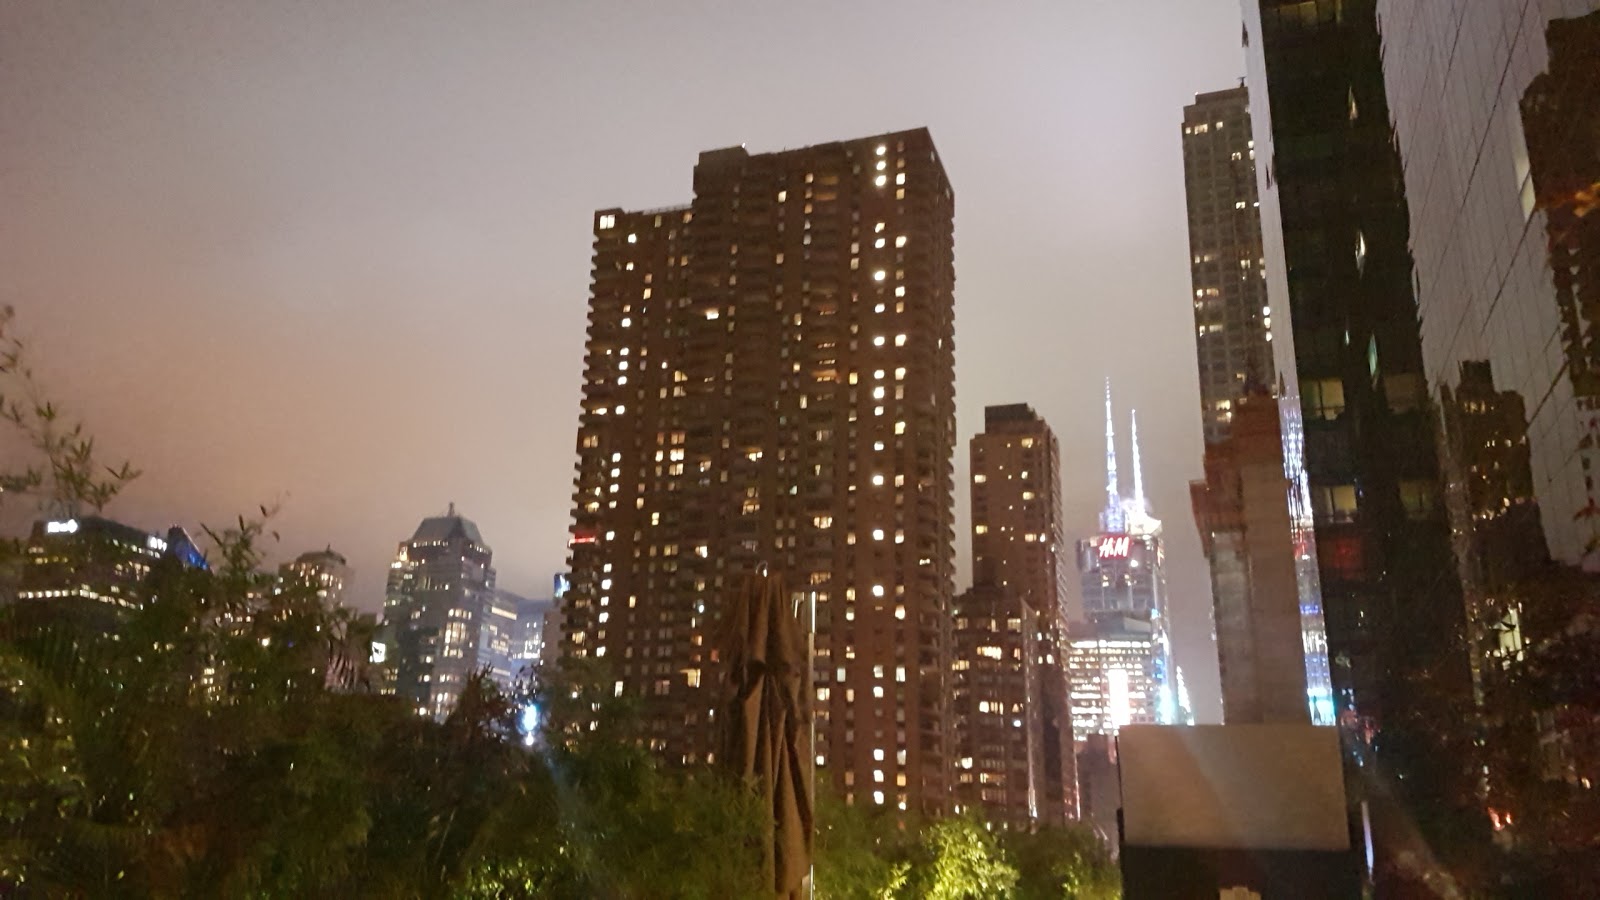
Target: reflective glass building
1429 175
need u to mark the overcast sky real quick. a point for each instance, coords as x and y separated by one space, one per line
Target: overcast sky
337 254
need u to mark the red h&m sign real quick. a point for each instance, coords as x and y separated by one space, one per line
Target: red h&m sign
1114 546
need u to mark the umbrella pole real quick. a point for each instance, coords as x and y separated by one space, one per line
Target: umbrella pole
811 657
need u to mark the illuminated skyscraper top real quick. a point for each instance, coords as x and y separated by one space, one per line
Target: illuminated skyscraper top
1120 663
1111 517
1124 515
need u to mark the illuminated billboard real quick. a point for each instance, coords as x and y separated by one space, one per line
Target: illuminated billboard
1116 548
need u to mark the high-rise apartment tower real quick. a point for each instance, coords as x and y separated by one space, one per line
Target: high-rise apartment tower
769 380
1256 577
1013 721
1231 316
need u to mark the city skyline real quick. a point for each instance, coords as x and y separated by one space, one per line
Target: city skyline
465 286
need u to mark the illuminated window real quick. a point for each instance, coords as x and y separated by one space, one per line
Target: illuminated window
1323 398
1336 503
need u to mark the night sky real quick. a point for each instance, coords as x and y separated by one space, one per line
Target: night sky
337 255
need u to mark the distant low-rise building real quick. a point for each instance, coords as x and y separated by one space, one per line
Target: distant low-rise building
97 560
324 570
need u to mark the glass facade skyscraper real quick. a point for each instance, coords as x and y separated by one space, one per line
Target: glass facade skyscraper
1429 180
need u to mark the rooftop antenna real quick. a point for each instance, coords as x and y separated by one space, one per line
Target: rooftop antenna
1111 519
1138 470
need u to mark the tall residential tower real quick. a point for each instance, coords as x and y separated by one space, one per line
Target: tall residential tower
769 380
1231 316
1013 723
1259 584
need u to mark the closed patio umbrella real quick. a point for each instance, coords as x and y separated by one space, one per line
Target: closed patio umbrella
766 722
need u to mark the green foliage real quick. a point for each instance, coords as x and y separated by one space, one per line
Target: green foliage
962 860
192 748
67 477
1062 863
861 854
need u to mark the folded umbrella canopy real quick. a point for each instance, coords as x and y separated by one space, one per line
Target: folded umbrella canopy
766 722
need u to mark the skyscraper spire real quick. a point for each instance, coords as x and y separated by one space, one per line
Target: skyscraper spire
1111 518
1138 470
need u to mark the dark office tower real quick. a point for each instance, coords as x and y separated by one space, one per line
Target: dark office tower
89 561
769 380
96 564
1496 110
441 587
1358 437
1231 313
1019 581
1247 537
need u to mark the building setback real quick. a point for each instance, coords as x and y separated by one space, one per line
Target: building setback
435 613
1243 513
769 379
1012 719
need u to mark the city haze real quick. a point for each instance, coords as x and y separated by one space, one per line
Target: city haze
338 256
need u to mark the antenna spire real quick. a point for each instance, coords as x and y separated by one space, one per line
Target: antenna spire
1138 471
1111 519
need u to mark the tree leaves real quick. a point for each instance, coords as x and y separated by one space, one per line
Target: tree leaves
70 479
